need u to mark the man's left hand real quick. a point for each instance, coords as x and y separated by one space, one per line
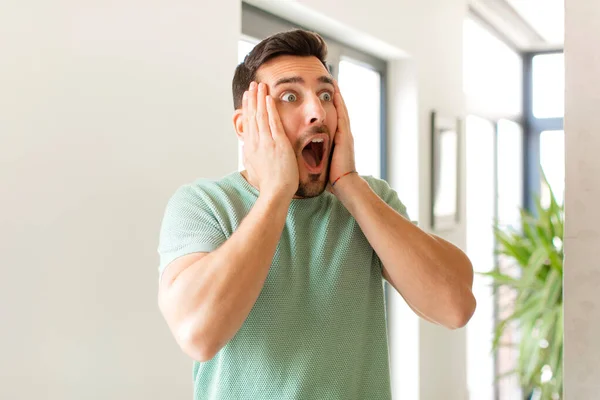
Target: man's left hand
342 159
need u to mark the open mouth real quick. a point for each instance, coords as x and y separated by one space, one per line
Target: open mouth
313 152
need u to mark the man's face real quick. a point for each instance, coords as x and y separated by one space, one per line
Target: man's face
303 92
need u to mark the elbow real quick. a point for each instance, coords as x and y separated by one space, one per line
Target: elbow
194 335
196 344
463 311
200 352
464 303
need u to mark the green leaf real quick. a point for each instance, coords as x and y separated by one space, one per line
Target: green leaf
553 288
533 267
511 247
526 311
507 280
535 252
505 375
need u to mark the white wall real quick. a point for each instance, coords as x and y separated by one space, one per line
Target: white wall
104 110
582 191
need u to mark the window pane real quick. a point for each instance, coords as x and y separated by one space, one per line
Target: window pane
480 188
510 201
548 82
510 172
492 73
552 161
244 47
360 86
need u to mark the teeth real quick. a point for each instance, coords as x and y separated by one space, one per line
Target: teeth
317 140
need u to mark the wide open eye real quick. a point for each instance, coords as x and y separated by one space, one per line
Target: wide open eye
289 97
325 96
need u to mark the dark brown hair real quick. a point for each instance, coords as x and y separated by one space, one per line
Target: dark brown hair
296 42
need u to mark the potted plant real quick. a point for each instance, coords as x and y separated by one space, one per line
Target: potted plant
536 253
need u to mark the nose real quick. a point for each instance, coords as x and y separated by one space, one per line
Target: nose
314 111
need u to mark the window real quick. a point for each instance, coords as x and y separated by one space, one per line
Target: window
509 201
548 81
494 195
544 112
361 87
492 73
510 172
362 81
481 192
245 46
493 85
552 161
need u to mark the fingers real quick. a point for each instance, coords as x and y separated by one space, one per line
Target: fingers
252 128
342 110
274 120
262 119
338 97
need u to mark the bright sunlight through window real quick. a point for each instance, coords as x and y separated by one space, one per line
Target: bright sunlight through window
361 88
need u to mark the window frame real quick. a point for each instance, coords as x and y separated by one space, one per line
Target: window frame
496 259
495 119
532 129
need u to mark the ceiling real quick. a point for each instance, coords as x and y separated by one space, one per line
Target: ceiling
545 16
530 25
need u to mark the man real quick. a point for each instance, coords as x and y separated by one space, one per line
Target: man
271 279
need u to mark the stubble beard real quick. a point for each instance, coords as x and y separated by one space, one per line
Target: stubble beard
315 184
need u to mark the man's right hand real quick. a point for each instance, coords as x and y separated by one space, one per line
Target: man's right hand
269 156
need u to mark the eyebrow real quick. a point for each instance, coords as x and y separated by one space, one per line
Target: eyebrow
299 79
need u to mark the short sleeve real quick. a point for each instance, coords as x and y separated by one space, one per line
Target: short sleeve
389 195
189 226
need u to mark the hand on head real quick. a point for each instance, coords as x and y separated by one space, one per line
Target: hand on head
342 159
269 156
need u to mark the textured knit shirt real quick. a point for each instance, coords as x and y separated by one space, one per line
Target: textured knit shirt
318 328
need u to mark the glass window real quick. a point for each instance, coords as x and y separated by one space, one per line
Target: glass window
510 172
552 161
361 88
481 190
548 84
510 201
492 73
244 47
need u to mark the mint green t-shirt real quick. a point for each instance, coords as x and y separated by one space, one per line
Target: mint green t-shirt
318 327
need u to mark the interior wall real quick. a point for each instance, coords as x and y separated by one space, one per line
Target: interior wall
582 216
105 108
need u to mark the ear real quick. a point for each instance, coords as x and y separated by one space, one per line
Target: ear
238 123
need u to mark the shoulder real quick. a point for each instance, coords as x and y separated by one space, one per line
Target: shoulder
388 194
379 186
203 196
204 190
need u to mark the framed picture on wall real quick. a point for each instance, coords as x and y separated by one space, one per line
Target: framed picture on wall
445 171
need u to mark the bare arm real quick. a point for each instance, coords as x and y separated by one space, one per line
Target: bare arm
434 276
205 298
